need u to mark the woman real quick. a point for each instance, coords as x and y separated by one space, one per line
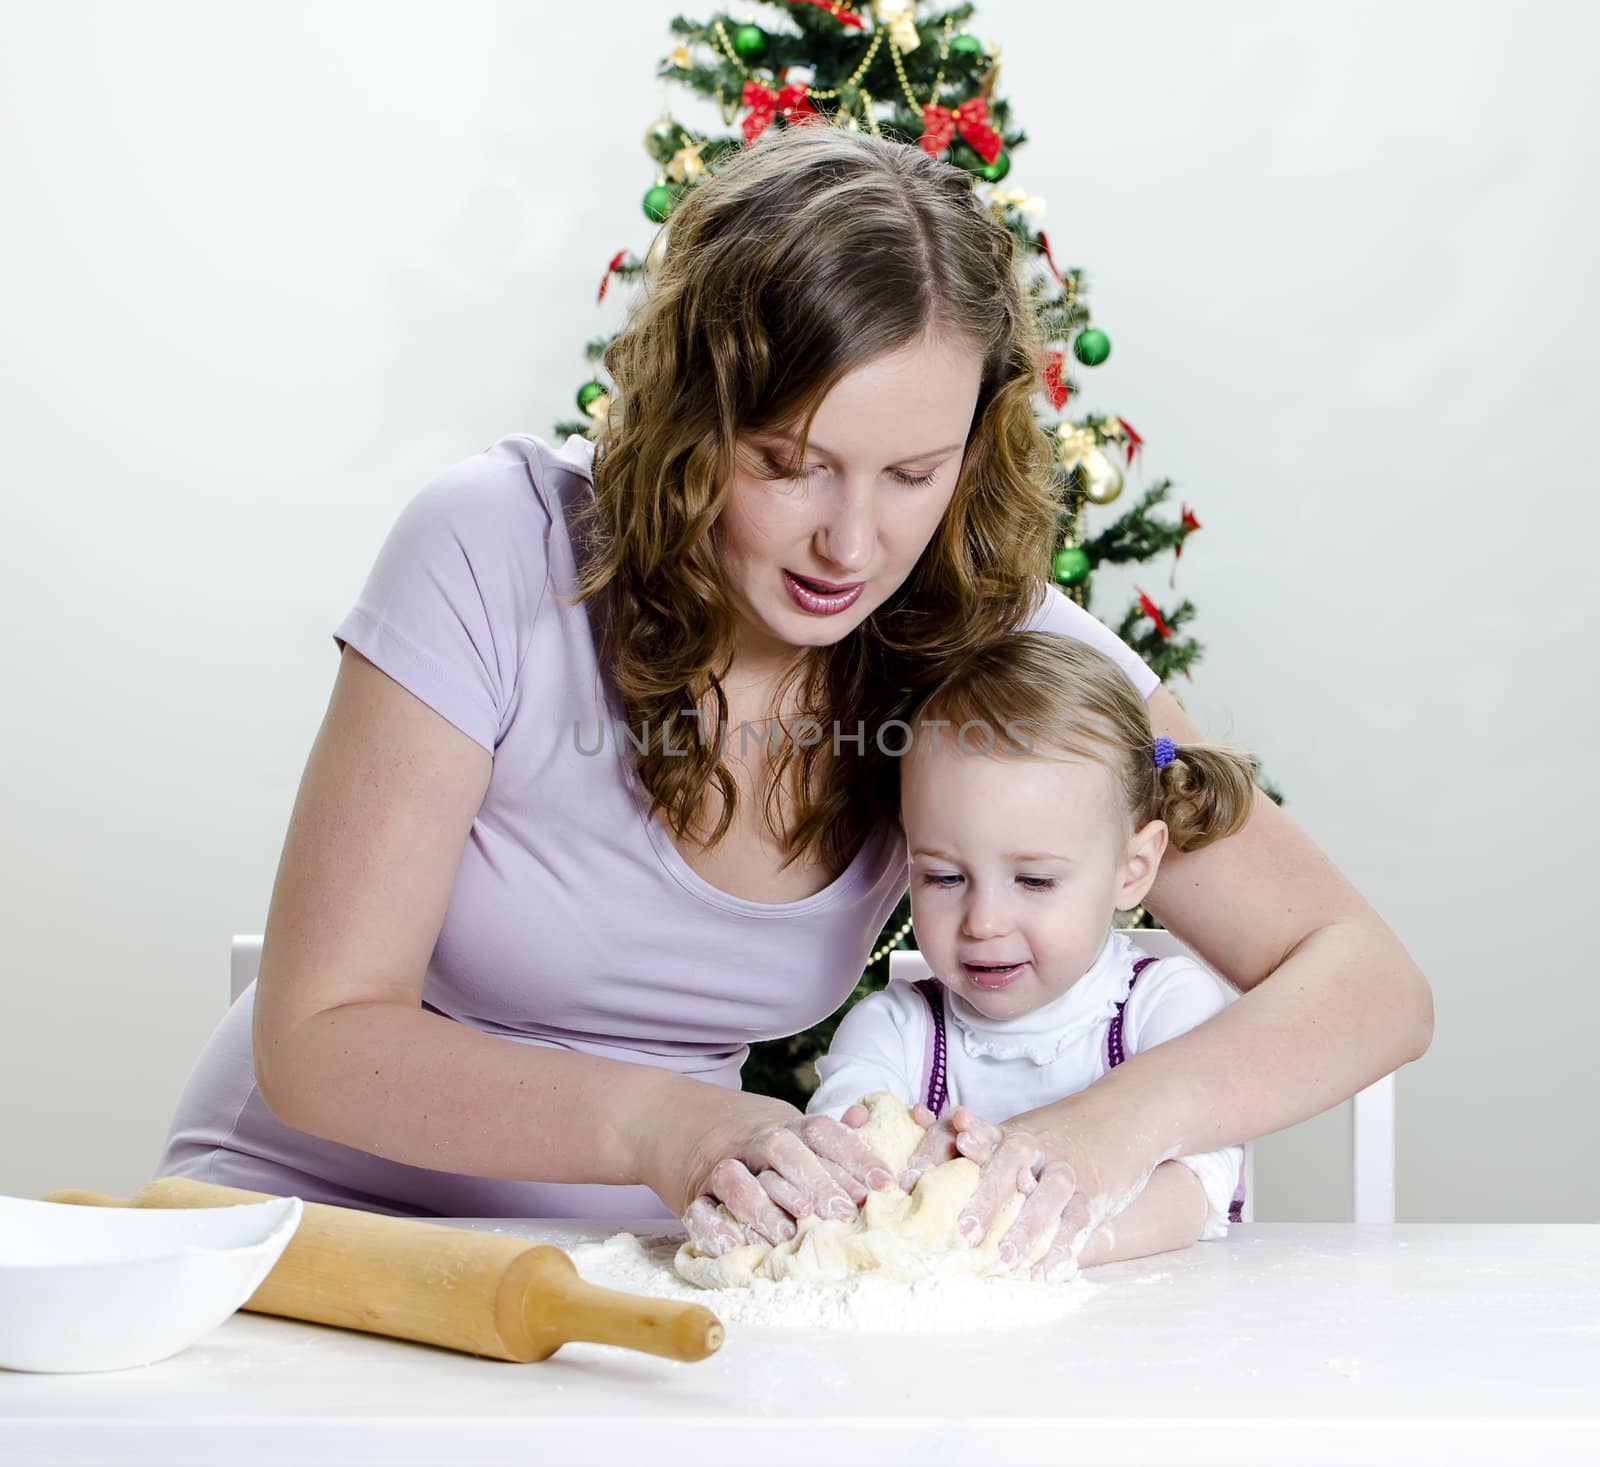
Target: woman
529 902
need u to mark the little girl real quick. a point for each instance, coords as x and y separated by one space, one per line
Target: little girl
1035 805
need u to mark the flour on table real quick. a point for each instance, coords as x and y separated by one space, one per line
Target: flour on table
866 1302
898 1235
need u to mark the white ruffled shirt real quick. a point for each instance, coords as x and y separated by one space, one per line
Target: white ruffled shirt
1000 1068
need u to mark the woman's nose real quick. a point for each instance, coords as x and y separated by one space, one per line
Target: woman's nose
850 530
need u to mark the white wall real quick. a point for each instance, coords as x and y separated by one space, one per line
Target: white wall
270 266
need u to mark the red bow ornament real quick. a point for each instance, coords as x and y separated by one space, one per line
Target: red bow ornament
605 279
1153 611
1050 260
1189 525
1131 441
764 104
840 14
970 119
1054 385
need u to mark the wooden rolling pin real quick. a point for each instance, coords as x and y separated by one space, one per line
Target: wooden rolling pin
484 1293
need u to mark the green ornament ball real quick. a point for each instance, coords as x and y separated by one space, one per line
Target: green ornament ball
658 203
1071 565
587 394
997 170
1092 347
750 43
966 44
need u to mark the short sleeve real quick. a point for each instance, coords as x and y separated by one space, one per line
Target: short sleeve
1059 613
877 1046
446 608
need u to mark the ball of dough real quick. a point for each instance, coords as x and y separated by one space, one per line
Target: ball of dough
896 1234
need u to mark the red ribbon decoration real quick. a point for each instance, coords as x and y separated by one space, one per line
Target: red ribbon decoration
1049 259
970 119
605 279
1133 443
1058 390
764 104
1190 525
839 13
1153 611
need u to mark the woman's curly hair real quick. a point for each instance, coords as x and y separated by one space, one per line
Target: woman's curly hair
795 262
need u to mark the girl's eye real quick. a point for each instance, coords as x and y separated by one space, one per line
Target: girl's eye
936 880
1037 883
916 480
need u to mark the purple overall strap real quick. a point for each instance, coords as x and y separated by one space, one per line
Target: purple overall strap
935 1091
1115 1054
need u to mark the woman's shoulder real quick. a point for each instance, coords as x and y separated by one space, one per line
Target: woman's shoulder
449 604
516 478
1055 611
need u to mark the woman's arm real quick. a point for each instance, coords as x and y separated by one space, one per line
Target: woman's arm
1170 1213
343 1048
1345 1006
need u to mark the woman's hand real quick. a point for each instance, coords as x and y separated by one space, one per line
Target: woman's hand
1013 1159
764 1161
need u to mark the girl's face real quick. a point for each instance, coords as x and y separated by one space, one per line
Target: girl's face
1018 864
881 466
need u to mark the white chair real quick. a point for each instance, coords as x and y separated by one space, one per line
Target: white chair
244 964
1371 1111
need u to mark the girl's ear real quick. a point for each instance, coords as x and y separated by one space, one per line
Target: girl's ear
1141 858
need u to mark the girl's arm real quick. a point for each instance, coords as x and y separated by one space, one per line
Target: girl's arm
1346 1006
877 1046
1170 1213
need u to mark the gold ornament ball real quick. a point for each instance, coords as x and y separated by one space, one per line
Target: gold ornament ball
663 138
1100 477
658 248
598 411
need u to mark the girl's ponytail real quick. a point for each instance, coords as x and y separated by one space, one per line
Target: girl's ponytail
1202 791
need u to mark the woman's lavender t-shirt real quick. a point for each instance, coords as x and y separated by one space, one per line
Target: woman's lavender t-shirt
574 920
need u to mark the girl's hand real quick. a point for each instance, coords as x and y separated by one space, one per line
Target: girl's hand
937 1147
1012 1161
768 1165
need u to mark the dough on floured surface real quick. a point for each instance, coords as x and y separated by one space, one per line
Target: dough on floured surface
898 1234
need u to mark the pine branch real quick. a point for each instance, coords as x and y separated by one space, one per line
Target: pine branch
1135 536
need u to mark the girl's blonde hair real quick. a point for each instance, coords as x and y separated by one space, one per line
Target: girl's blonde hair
1041 692
795 262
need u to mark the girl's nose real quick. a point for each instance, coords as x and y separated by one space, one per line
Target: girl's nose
984 915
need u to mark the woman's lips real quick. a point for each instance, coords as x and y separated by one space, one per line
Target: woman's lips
808 597
988 975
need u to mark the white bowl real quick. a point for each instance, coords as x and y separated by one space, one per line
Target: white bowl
106 1288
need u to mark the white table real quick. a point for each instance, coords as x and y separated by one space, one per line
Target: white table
1286 1344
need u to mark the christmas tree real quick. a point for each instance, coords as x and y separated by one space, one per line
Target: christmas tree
915 74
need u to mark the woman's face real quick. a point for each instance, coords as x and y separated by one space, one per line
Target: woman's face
884 455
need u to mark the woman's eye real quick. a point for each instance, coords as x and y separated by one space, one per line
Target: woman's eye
773 470
777 471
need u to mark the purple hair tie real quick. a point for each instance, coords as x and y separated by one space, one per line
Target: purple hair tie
1165 751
